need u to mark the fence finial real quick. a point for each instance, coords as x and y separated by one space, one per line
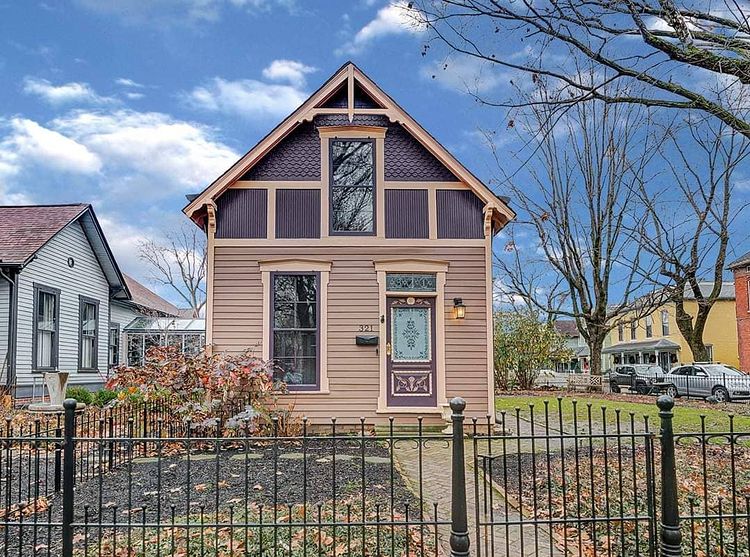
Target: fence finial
459 540
670 537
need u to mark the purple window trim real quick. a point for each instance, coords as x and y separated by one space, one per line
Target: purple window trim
459 215
242 213
316 274
331 231
407 213
298 213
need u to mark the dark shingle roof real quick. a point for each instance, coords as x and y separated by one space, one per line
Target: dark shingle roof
740 261
567 327
25 229
147 299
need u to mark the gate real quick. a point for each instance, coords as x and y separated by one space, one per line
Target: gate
548 485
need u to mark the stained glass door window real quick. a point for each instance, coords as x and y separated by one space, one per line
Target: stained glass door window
411 332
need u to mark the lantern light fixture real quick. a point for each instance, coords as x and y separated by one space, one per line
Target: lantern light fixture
459 309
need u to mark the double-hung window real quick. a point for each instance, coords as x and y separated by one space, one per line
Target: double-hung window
649 326
46 327
295 329
633 329
89 335
352 186
620 332
114 345
664 322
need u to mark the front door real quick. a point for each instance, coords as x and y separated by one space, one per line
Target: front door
410 351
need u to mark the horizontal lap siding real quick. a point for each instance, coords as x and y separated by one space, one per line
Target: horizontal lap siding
353 371
86 278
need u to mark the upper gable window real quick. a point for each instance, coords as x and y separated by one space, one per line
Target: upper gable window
352 186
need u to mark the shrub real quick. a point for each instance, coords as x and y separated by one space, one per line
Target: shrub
102 397
235 390
81 394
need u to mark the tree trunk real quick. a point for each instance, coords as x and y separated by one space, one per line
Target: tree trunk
595 359
693 333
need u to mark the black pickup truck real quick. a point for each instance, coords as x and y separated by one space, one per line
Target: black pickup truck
635 377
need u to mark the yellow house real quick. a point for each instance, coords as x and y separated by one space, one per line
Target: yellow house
656 339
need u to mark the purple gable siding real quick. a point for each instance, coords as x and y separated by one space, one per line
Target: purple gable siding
407 160
459 214
296 157
406 214
340 99
297 213
242 213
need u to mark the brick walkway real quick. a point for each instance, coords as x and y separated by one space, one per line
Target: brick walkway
502 540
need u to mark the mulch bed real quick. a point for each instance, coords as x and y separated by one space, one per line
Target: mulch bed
155 488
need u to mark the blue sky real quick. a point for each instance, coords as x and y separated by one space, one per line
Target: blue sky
131 104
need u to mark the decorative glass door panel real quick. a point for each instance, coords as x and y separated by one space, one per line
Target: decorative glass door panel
410 350
411 334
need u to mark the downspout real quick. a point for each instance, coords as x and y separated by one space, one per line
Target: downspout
12 324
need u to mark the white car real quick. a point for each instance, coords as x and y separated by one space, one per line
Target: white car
723 382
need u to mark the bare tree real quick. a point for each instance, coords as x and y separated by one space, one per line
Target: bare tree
582 205
178 261
688 222
654 43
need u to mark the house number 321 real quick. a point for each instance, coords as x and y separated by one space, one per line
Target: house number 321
365 328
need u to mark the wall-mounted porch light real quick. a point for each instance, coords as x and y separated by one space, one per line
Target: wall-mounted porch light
459 309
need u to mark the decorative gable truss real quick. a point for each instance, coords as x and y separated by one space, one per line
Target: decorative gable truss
349 99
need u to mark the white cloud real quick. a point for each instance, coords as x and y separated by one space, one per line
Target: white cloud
134 96
124 239
291 71
67 93
149 148
248 98
30 142
397 18
467 74
167 13
126 82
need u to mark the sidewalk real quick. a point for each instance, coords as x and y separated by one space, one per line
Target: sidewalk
500 540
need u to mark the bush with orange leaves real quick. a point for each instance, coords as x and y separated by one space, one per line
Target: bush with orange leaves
232 391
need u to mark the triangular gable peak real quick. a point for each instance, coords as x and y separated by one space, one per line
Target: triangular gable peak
348 97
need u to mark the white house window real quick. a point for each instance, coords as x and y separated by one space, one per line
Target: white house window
633 329
114 345
46 327
620 332
89 331
295 328
649 327
664 322
352 187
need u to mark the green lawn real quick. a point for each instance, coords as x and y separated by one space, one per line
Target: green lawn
687 414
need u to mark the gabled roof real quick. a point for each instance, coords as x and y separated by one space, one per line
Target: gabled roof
567 328
350 75
26 229
740 261
147 299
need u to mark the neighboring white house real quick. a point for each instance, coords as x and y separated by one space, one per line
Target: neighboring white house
64 303
576 344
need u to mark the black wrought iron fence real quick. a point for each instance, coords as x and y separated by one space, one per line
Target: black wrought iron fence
552 479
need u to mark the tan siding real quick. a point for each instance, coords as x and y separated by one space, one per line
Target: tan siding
353 371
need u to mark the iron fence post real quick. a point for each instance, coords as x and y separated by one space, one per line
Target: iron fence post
69 468
670 537
459 540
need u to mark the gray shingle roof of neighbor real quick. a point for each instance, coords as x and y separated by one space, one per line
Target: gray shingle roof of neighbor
567 327
726 293
740 261
25 229
148 299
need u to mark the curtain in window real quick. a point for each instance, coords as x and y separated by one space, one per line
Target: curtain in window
88 336
46 327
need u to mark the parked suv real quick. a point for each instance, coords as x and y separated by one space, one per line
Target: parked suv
637 377
723 382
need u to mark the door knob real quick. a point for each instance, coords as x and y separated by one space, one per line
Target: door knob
387 348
